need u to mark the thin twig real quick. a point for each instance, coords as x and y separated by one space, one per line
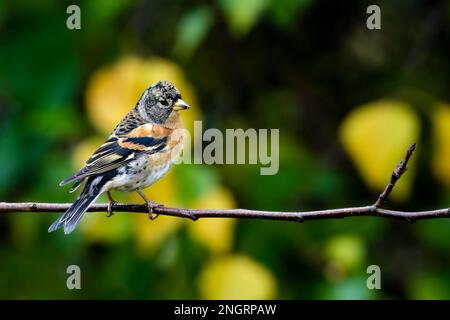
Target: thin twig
194 214
396 175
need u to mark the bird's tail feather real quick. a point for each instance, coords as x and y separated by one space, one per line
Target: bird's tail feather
70 219
76 185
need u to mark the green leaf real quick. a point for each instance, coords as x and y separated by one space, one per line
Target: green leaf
242 15
434 234
351 289
431 285
101 13
192 29
194 181
285 12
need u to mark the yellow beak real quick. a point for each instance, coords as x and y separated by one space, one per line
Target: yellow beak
180 105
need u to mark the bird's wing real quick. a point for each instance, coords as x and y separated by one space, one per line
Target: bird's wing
119 150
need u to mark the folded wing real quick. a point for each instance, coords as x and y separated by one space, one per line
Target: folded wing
116 152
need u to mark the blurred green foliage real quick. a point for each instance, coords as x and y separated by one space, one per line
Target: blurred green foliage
298 65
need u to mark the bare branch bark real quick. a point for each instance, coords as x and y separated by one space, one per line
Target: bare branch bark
396 175
194 214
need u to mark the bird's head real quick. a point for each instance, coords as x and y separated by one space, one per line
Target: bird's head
159 101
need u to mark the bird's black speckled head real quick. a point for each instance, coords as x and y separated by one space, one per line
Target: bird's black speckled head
158 101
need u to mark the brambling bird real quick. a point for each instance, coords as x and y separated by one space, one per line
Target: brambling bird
140 150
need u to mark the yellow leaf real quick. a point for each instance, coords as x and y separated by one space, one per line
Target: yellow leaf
236 277
114 90
215 234
376 136
346 251
164 191
441 139
84 150
150 234
97 228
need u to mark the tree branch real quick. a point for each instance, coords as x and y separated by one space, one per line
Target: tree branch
396 175
194 214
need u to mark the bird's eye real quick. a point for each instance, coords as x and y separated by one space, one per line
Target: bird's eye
164 102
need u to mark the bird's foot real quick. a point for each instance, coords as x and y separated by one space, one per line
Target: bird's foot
110 211
151 205
111 203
